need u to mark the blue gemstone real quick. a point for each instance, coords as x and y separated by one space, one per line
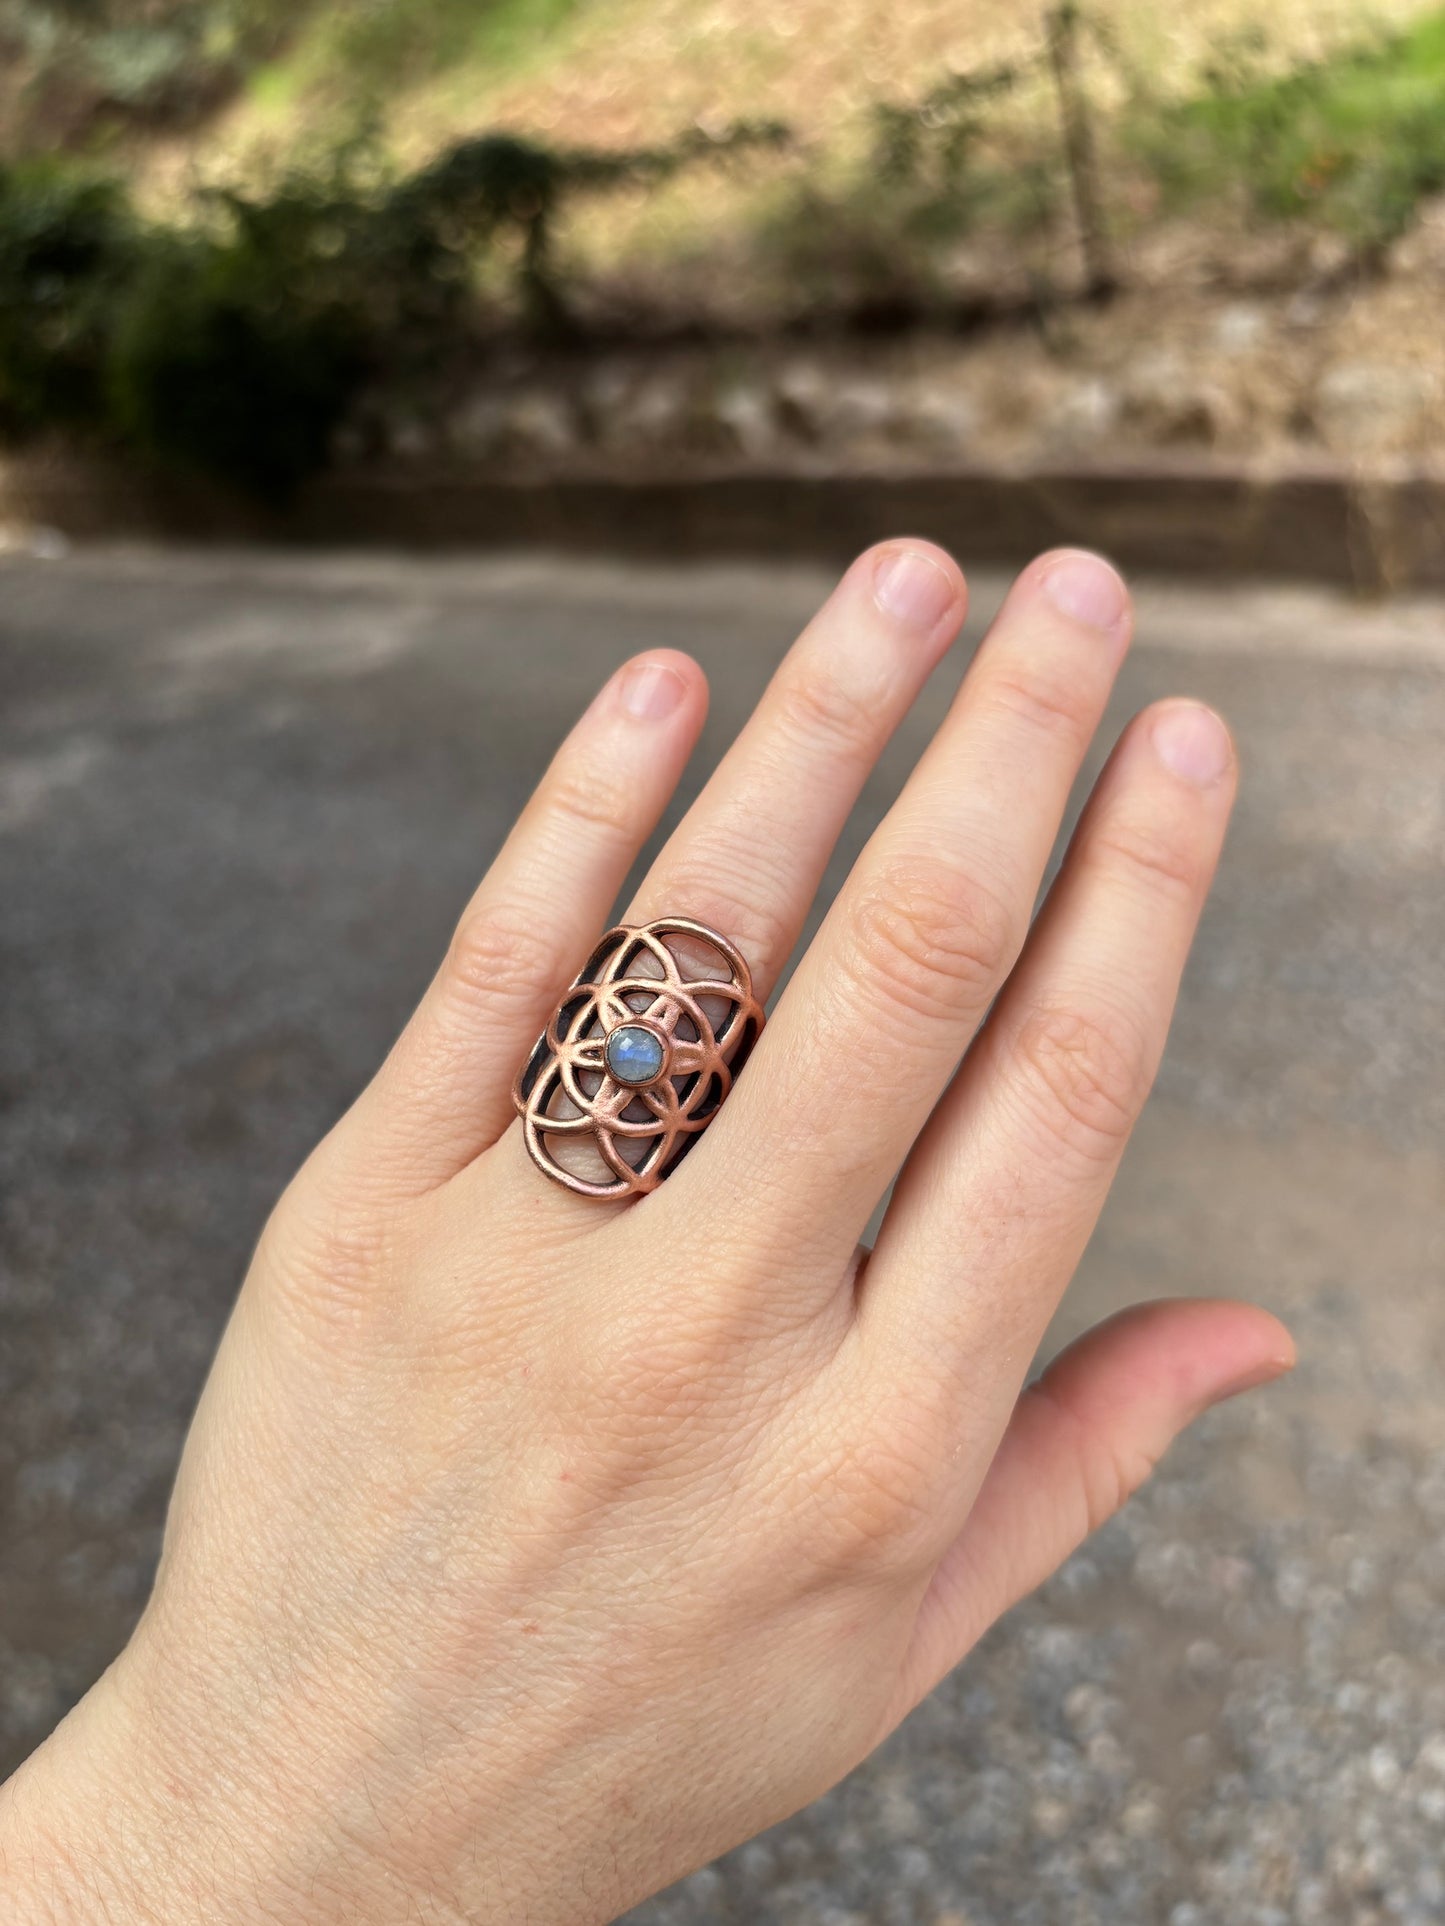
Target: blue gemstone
635 1055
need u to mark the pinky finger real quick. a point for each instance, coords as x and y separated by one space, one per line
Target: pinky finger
1081 1441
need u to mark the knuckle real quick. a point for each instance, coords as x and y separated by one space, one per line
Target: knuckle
1086 1075
588 796
1148 854
814 702
1046 703
657 1393
932 939
1109 1469
327 1259
874 1510
499 958
1110 1475
652 1370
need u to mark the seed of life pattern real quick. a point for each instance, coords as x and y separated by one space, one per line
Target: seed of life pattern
676 979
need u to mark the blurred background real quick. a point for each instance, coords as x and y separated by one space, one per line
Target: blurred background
745 285
256 238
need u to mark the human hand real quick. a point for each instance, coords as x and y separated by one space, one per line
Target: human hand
528 1551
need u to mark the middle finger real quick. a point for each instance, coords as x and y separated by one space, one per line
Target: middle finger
925 931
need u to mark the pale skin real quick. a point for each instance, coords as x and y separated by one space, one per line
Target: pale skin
518 1564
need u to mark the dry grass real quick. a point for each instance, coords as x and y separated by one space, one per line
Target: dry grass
629 71
623 73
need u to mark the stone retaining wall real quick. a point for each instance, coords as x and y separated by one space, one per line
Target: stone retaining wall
1376 529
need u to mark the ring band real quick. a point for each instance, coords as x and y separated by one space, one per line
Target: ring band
638 1057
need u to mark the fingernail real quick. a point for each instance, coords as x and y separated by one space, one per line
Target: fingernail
914 589
1087 589
1260 1374
650 690
1192 743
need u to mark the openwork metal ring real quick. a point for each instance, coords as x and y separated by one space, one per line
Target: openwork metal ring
638 1057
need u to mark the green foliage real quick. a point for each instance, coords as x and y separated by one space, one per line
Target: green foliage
241 341
930 145
342 237
485 189
235 340
68 248
169 61
1352 143
235 343
932 172
214 367
934 168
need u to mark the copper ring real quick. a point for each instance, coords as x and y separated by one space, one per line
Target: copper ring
638 1057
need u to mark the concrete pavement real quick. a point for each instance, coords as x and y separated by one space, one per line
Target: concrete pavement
241 799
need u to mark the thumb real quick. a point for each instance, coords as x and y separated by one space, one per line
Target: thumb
1081 1441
